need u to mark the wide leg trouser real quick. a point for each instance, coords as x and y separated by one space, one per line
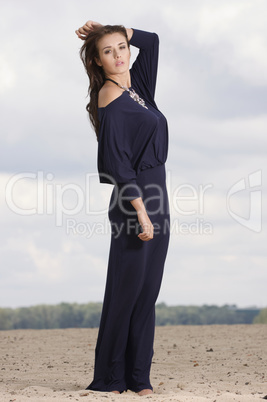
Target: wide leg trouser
124 347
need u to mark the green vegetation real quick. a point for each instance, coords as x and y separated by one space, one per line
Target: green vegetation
203 315
66 315
261 318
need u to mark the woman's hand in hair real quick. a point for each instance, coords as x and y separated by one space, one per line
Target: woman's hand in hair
86 28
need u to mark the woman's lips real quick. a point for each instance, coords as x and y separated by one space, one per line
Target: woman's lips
119 63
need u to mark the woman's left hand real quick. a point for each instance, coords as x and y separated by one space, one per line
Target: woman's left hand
146 225
86 28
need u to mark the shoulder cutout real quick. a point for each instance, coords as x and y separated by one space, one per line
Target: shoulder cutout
107 94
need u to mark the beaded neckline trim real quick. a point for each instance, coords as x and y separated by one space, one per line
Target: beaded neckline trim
131 93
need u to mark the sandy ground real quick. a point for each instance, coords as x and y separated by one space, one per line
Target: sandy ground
191 363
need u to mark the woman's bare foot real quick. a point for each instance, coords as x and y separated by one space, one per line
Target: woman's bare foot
145 392
115 392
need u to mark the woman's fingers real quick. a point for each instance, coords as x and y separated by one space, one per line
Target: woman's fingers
147 233
82 32
92 24
144 221
86 28
78 34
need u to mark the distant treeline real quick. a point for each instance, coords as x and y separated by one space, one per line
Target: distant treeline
66 315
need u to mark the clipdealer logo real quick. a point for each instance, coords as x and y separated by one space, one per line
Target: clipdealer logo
253 186
51 198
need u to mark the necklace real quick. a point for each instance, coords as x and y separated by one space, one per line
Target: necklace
131 93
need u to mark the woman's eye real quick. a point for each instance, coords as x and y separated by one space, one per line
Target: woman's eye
107 51
122 47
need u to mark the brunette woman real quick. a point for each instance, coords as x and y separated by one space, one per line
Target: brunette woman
132 139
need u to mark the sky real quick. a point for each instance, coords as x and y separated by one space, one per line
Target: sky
212 87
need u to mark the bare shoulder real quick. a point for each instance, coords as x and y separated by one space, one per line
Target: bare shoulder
107 94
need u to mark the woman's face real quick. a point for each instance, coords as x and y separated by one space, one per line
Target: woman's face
114 54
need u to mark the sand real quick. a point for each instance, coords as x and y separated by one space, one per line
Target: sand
191 363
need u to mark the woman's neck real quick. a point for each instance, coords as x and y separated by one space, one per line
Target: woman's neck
122 80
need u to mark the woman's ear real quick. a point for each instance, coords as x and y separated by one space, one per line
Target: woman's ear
98 62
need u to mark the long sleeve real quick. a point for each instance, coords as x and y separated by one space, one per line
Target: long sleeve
114 156
144 69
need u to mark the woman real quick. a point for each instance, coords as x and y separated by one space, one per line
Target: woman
132 139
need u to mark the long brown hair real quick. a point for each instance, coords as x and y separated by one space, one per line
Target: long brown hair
88 53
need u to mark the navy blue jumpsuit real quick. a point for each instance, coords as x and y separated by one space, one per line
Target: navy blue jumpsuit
133 147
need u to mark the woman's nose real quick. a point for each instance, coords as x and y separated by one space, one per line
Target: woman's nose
116 54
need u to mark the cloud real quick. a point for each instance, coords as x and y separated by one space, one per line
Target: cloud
231 34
